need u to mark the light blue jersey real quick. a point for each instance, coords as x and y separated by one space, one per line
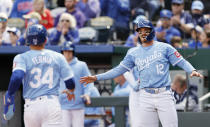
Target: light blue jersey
151 65
43 70
123 90
79 69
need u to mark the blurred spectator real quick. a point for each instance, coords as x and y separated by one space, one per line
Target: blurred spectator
90 8
46 18
121 89
14 35
179 86
4 35
20 8
133 39
66 30
197 14
166 31
205 36
180 18
93 110
195 41
32 15
76 12
176 42
152 6
119 10
6 6
22 39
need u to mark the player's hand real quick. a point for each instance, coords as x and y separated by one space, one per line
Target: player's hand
70 94
9 106
196 74
86 98
87 79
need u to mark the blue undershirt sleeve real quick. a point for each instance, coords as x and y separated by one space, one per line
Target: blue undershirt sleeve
15 81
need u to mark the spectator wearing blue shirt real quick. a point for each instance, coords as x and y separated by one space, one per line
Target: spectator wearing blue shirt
20 8
90 8
119 10
93 92
195 41
73 10
180 18
65 31
165 32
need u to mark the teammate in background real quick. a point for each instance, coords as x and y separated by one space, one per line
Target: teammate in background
122 89
179 86
93 110
73 112
153 100
40 70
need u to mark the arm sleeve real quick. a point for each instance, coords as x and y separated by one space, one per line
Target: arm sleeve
54 37
65 70
15 81
185 65
117 71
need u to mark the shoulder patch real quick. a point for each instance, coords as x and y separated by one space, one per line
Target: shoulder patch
177 54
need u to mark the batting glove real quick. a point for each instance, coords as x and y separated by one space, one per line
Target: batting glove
9 106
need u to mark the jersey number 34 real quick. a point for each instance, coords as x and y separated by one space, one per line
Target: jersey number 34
47 77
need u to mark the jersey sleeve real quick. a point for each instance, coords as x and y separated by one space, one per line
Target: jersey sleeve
128 62
19 63
65 71
173 55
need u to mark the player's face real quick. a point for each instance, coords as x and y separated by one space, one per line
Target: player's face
68 55
165 22
143 33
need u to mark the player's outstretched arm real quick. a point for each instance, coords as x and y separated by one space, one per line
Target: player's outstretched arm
88 79
196 74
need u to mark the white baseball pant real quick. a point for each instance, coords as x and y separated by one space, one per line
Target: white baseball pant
73 118
146 109
43 112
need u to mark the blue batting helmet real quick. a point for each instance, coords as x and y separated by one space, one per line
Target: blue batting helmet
144 23
36 34
68 46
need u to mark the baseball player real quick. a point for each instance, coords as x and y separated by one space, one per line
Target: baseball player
153 98
40 71
73 111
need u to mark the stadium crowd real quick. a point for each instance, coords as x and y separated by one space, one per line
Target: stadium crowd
183 24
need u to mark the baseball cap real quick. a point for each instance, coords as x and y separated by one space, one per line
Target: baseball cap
198 5
165 13
3 15
15 31
177 1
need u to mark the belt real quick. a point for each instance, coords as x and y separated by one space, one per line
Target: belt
41 98
157 90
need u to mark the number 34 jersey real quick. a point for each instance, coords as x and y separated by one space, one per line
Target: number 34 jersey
152 64
43 72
